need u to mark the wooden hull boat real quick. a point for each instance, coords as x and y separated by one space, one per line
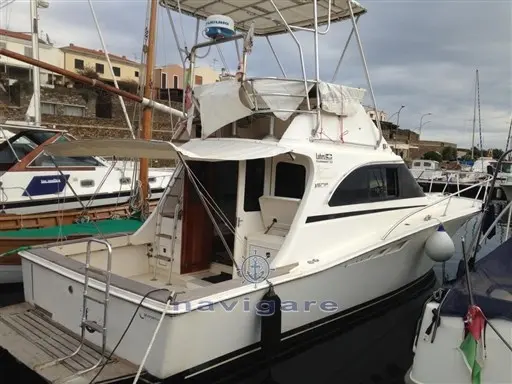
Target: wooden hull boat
23 232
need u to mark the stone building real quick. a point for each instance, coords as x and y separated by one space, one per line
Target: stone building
74 110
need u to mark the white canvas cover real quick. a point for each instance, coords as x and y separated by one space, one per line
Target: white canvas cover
339 99
195 149
231 149
263 14
295 89
30 114
219 105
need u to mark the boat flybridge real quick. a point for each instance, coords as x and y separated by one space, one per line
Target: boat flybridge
287 212
31 182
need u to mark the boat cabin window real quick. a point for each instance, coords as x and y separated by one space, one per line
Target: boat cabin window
374 183
44 160
290 180
22 144
254 184
417 164
426 164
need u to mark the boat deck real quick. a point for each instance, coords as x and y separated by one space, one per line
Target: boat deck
33 338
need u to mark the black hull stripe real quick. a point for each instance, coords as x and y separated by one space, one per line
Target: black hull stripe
71 199
333 216
303 338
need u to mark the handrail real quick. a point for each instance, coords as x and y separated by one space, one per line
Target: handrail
23 189
487 201
447 177
508 208
428 206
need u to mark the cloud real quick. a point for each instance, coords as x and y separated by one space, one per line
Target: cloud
421 54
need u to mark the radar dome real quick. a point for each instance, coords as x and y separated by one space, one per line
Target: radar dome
219 27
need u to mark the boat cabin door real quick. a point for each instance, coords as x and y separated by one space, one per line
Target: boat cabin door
251 186
197 228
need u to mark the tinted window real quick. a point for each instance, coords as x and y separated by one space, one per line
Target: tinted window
408 186
290 180
254 183
22 144
417 163
426 164
376 183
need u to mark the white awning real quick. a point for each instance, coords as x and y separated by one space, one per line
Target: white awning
121 148
266 20
231 149
195 149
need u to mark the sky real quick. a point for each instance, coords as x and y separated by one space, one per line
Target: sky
422 54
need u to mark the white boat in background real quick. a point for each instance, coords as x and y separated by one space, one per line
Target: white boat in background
31 183
316 220
426 170
433 178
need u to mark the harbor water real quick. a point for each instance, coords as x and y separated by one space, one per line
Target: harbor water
378 351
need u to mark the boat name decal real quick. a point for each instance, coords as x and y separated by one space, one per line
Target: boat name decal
321 185
324 157
46 185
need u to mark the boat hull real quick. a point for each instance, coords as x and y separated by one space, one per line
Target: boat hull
70 203
231 327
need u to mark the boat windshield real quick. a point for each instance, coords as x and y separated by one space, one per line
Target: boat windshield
20 145
506 167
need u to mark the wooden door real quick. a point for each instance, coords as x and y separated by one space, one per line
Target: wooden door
197 228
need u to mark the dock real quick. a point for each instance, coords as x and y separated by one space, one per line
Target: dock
32 338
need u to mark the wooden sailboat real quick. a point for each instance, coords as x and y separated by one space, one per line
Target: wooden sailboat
21 231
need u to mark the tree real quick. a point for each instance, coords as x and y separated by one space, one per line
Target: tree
449 153
496 153
476 152
89 72
434 156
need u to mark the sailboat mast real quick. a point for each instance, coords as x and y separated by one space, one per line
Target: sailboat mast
36 77
508 136
147 113
474 122
479 116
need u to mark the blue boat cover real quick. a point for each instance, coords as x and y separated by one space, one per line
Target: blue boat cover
491 283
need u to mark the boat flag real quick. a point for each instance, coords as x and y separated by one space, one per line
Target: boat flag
472 347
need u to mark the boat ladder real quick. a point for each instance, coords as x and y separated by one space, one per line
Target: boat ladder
171 204
86 324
